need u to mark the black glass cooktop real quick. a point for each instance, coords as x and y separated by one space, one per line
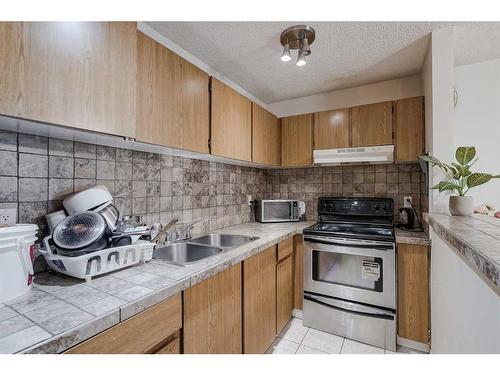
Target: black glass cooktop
361 218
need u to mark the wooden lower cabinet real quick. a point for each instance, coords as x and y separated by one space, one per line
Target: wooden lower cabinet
259 301
212 314
413 292
284 292
146 332
298 271
285 248
171 347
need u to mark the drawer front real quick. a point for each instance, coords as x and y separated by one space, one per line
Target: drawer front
173 347
137 334
285 248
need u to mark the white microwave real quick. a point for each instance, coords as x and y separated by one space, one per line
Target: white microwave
276 210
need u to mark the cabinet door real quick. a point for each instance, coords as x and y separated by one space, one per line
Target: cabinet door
212 314
284 292
331 129
259 301
195 97
409 129
371 125
231 132
172 98
159 80
413 292
77 74
298 270
266 137
138 334
296 140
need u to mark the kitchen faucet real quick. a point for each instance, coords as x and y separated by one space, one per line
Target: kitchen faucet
186 234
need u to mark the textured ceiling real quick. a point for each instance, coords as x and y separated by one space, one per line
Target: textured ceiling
345 54
475 42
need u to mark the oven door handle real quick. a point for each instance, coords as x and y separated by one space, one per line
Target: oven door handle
350 307
349 243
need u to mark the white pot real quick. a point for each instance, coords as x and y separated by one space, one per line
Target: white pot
461 206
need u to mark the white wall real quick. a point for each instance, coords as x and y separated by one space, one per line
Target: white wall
477 122
440 138
465 311
405 87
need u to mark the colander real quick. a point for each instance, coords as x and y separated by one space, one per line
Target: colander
79 230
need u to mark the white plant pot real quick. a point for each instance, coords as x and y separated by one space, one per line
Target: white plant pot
461 206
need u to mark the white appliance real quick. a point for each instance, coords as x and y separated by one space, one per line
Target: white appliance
17 246
87 199
355 155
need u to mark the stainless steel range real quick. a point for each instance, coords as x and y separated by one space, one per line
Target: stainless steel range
350 270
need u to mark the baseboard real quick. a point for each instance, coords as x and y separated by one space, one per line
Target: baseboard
299 314
415 345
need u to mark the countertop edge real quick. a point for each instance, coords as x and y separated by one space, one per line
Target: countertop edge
475 258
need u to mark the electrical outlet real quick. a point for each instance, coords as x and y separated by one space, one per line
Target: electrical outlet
249 199
8 216
406 199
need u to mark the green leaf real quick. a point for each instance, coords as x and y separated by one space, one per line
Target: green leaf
476 179
431 159
463 170
448 169
464 155
446 185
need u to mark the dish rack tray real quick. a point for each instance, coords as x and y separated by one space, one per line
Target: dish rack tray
99 262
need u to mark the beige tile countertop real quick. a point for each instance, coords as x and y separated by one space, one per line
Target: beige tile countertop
476 237
60 312
412 237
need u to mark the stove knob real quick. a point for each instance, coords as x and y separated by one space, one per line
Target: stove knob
376 207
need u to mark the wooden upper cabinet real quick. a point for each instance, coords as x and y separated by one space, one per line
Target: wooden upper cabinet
266 137
331 129
76 74
409 129
159 79
371 125
259 301
195 108
231 125
172 98
296 140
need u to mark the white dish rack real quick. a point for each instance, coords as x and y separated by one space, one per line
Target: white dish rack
98 262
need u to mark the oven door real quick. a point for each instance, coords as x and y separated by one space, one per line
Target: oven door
353 270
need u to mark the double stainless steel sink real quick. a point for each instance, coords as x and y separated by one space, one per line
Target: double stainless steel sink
186 253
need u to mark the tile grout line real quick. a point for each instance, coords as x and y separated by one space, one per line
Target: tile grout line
342 346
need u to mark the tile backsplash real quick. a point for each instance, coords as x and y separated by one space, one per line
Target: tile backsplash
37 173
385 180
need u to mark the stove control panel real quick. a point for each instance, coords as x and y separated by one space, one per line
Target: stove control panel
356 206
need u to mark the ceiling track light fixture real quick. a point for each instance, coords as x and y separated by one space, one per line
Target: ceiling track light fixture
298 37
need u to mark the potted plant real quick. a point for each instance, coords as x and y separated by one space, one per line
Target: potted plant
459 179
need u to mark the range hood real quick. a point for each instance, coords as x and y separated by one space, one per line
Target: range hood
355 155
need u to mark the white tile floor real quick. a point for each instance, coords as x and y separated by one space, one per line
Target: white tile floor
297 339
